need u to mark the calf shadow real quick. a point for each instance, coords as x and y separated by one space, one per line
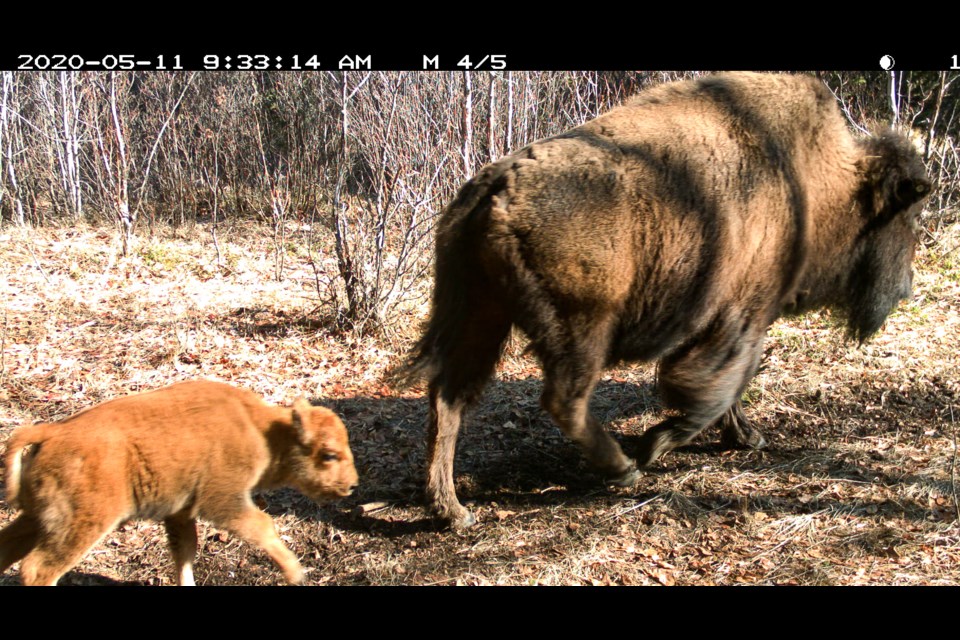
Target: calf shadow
78 579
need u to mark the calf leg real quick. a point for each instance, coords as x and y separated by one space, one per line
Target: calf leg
704 381
17 540
182 535
58 551
256 527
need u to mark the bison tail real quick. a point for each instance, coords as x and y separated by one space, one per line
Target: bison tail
28 434
458 276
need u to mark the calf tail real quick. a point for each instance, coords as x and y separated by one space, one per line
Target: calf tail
23 437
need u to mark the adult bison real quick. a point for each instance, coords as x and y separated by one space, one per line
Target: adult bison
676 227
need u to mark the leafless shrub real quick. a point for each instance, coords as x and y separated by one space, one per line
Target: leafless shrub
357 163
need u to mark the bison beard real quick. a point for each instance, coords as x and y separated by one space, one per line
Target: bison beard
676 228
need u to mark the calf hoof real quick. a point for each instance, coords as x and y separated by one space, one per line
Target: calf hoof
294 575
627 478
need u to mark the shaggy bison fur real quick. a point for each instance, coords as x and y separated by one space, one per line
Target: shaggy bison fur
677 228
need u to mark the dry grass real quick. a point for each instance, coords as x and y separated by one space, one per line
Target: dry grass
857 486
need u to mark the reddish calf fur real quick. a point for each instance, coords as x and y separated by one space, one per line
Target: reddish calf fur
192 450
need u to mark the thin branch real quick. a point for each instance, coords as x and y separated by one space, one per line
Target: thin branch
156 143
953 466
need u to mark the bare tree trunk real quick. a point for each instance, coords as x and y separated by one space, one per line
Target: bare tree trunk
70 112
341 230
214 185
384 187
112 146
277 183
525 128
509 147
117 147
491 104
4 110
467 124
8 128
942 90
894 98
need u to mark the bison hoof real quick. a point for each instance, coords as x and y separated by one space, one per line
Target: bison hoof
749 438
459 519
463 520
654 443
627 478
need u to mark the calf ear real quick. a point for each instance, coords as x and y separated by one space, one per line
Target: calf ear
301 414
305 413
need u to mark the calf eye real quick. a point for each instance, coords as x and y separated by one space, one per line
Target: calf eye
330 457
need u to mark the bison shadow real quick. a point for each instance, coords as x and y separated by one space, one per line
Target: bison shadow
512 457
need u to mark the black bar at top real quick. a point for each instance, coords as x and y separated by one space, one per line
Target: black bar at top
45 54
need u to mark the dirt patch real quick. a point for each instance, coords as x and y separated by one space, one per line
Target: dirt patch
857 486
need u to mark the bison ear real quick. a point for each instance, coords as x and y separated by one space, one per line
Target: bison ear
894 177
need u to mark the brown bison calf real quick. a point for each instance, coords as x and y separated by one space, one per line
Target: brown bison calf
677 228
192 450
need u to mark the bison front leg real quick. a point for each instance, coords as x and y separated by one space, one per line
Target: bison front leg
256 527
571 370
704 382
572 415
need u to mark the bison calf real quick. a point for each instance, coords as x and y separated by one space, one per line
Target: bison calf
192 450
677 228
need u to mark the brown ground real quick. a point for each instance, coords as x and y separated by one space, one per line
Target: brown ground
857 487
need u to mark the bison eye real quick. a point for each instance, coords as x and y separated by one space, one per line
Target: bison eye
330 457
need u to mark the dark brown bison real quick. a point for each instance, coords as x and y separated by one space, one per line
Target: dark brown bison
676 228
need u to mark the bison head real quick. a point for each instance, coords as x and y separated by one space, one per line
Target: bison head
894 181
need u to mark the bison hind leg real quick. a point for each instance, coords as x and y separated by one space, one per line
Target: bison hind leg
462 371
738 432
704 381
445 418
